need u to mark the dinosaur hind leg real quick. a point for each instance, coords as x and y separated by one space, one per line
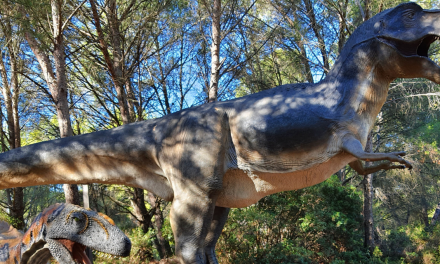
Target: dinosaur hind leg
218 222
191 216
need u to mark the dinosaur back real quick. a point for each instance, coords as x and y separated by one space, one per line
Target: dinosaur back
9 238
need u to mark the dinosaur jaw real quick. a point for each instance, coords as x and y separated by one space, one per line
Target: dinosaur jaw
417 53
76 250
417 48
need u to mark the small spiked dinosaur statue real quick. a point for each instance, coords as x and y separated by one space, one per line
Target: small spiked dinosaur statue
209 158
62 231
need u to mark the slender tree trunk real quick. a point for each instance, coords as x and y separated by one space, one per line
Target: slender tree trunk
163 247
341 174
59 92
215 52
436 215
342 16
140 211
300 43
7 97
57 85
162 81
118 61
367 10
424 213
305 62
115 65
131 101
317 30
368 203
10 90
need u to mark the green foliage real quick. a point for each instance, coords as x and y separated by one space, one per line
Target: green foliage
277 68
7 218
321 223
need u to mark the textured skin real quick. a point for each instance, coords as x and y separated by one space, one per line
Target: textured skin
233 153
62 231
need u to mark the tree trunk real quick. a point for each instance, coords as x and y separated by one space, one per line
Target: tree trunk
163 247
115 64
368 202
436 215
15 196
139 209
215 52
424 203
115 67
317 30
342 16
57 85
341 174
59 92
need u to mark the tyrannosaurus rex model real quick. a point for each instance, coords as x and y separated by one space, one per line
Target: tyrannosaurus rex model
62 231
231 154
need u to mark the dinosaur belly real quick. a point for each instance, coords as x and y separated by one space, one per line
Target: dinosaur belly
244 188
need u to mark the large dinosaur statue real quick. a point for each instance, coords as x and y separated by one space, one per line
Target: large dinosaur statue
62 231
231 154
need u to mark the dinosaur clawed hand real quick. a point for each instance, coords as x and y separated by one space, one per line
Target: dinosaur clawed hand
396 157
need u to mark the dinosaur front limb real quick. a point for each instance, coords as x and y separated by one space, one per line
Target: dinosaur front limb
360 169
215 230
354 147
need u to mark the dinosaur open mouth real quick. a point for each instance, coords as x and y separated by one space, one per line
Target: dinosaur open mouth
418 47
423 48
77 252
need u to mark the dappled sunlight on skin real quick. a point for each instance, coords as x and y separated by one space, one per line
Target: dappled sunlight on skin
233 153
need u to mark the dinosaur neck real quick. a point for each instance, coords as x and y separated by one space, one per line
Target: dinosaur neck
363 84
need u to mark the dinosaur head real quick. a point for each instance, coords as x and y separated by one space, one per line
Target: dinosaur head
73 228
403 36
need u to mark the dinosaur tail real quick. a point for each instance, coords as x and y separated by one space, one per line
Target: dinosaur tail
114 156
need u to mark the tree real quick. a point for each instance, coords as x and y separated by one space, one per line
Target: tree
121 69
9 68
55 78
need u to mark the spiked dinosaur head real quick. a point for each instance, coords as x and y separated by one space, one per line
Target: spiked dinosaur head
63 231
404 35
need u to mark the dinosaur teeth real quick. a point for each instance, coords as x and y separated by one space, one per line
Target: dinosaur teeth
104 255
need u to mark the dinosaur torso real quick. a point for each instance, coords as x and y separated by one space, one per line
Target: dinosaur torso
287 138
61 231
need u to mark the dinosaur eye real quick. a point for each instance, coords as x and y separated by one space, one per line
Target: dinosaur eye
79 220
410 14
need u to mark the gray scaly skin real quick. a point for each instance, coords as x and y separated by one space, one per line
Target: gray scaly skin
231 154
63 231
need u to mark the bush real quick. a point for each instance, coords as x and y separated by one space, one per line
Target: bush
318 224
